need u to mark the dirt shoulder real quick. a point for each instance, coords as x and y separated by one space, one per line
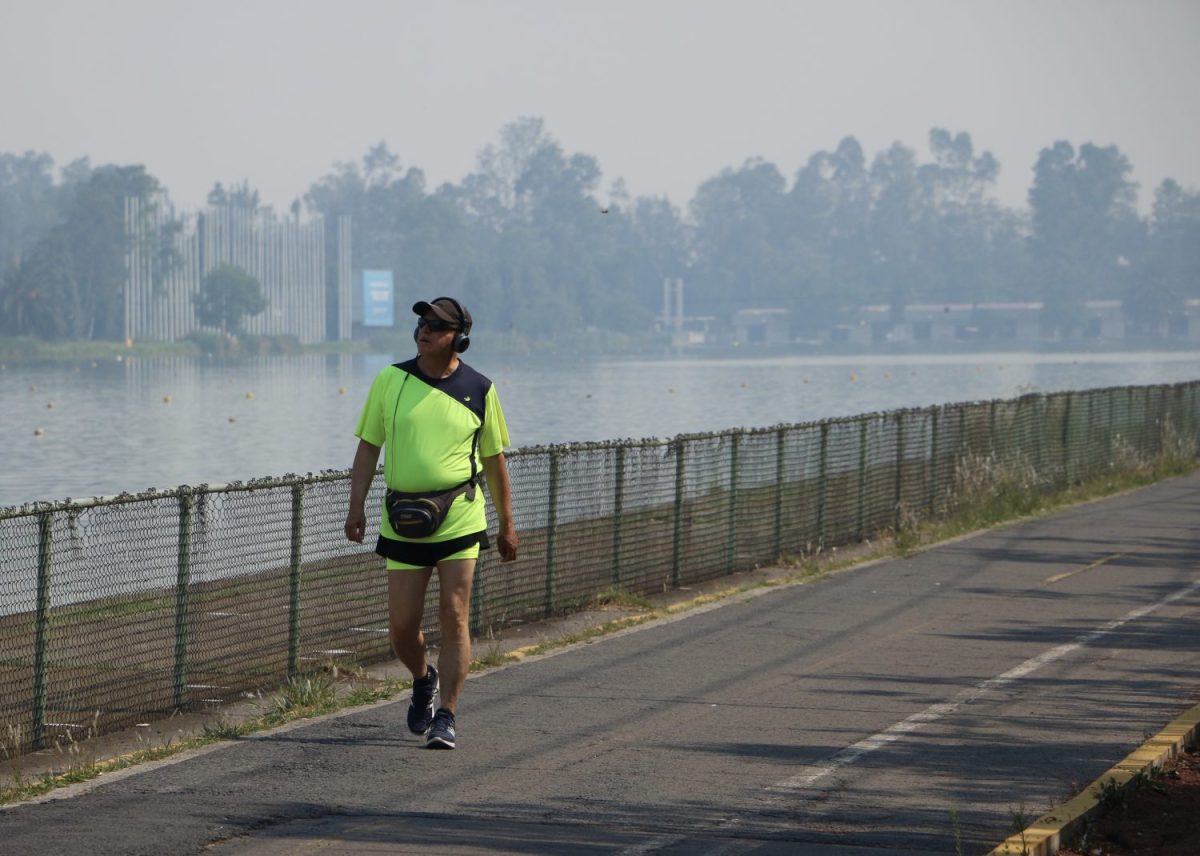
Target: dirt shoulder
1158 815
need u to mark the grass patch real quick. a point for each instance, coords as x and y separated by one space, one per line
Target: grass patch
491 658
619 598
988 492
590 633
313 692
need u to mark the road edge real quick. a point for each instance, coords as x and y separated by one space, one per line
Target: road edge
1045 835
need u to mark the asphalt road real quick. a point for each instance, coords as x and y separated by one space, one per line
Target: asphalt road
985 680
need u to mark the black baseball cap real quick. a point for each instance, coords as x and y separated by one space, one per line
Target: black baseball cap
448 309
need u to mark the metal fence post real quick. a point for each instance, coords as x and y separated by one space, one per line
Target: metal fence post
780 473
677 539
1177 412
618 508
1129 411
933 458
731 538
962 430
899 465
1160 423
992 440
294 580
1111 396
42 631
182 584
1066 439
1039 431
862 478
1188 424
822 483
551 526
1089 449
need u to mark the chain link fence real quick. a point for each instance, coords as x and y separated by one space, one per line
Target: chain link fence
119 610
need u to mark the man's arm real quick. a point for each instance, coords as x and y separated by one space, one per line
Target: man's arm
366 460
496 470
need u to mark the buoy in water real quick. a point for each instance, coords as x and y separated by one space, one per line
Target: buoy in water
38 432
249 395
166 399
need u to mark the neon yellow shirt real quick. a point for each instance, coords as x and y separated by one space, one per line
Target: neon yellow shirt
427 429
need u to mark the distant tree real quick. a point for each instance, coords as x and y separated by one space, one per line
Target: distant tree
740 229
1084 223
494 191
659 247
393 228
28 203
32 292
1169 272
71 282
895 228
960 221
238 196
227 296
829 209
559 262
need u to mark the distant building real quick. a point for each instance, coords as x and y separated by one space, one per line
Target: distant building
1018 321
762 326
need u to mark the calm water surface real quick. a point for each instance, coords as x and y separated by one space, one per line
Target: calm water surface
128 425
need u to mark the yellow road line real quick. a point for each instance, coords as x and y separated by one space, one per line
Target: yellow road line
1094 564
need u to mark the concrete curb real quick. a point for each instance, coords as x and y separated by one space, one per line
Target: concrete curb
1045 836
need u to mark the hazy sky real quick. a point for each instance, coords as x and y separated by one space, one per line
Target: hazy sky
663 94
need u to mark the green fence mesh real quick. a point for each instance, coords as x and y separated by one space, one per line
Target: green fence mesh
119 610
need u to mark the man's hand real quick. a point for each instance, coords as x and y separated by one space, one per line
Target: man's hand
507 543
356 525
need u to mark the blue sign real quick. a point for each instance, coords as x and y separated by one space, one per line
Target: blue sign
379 298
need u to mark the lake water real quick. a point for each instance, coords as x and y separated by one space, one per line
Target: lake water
127 425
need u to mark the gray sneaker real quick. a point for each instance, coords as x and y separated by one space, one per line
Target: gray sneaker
441 733
420 707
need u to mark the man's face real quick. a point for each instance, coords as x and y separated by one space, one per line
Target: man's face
435 338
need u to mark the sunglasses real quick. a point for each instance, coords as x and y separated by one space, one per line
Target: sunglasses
436 325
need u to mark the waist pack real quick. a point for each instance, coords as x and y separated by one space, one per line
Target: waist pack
418 515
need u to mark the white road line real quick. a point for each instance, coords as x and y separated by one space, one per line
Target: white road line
653 845
912 723
935 712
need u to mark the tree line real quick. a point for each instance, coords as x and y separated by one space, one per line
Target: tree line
531 241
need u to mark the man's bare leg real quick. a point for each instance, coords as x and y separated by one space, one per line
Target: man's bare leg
406 607
454 610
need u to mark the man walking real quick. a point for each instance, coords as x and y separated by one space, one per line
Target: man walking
439 418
